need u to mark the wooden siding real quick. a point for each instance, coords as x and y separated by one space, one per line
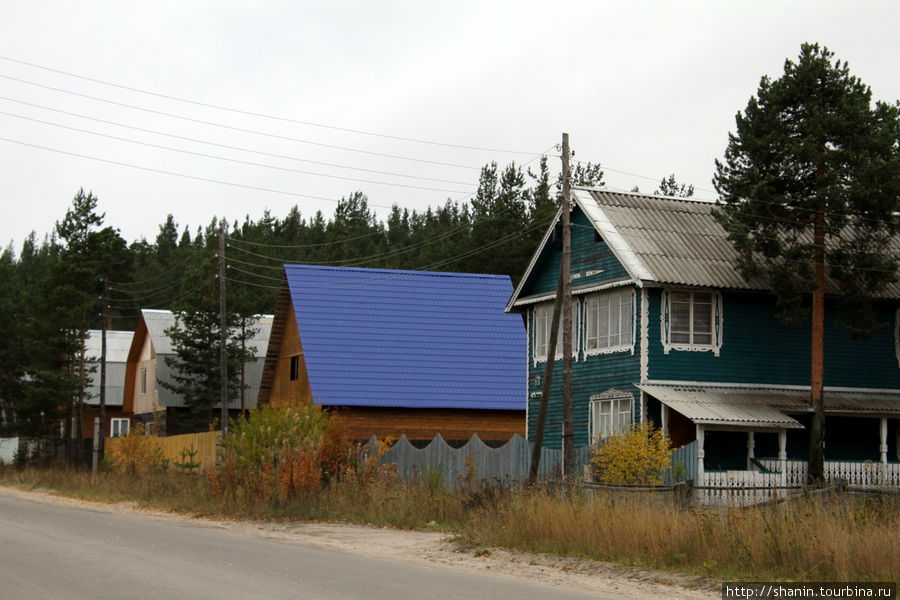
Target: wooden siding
92 412
284 391
172 447
590 375
275 340
425 423
589 255
757 348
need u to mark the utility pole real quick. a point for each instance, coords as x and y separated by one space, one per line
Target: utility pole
568 434
545 390
103 328
223 334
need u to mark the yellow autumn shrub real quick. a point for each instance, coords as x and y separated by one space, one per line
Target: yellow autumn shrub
136 453
640 456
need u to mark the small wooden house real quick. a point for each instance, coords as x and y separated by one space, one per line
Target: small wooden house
153 404
666 330
399 352
117 420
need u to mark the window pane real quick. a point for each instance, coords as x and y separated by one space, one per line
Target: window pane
603 323
625 319
541 331
702 321
590 308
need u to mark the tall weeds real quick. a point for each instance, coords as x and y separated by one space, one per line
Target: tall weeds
835 538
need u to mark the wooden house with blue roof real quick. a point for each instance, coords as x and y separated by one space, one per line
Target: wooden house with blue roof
413 353
665 330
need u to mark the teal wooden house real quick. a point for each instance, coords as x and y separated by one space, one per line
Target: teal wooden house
665 330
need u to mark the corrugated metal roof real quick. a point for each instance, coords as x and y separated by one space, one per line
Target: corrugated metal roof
158 321
765 406
721 406
672 240
117 345
376 337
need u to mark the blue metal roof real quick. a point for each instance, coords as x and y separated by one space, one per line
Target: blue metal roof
414 339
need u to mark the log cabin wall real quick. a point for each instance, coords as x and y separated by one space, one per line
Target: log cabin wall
424 423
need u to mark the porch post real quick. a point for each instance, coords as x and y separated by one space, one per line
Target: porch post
751 450
782 455
897 441
665 420
701 454
884 446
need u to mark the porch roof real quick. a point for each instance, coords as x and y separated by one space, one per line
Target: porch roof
755 406
721 406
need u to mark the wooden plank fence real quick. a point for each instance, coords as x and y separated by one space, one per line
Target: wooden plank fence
476 462
173 446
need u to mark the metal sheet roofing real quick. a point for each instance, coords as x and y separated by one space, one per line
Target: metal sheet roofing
157 321
117 345
766 406
671 240
721 406
376 337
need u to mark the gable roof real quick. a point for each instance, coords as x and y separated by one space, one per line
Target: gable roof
414 339
157 321
117 346
153 324
665 241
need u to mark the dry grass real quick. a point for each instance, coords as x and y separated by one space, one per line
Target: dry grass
838 538
834 538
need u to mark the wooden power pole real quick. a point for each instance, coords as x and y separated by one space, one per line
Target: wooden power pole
545 390
103 327
223 335
568 433
562 304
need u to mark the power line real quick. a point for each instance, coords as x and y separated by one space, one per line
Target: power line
239 129
173 173
233 160
208 143
263 115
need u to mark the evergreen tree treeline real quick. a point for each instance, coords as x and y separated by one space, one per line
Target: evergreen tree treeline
51 292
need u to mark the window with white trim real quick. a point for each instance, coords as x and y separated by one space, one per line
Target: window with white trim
543 318
609 322
691 320
118 427
610 414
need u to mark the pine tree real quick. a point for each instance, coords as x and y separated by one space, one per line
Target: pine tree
809 188
668 186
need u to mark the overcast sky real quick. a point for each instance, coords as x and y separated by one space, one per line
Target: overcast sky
224 108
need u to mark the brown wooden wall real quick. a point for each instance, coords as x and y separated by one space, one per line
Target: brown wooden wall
425 423
283 391
87 420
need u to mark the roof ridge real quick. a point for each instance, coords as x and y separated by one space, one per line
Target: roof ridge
380 271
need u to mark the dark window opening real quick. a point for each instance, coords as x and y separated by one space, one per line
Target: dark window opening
295 368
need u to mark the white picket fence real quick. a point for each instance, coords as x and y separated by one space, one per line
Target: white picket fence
864 474
739 488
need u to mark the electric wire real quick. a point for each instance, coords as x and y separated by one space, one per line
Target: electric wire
239 129
261 115
235 160
225 146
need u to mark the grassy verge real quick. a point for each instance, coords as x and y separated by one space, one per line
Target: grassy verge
836 538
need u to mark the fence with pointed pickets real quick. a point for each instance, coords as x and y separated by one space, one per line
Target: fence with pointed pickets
508 464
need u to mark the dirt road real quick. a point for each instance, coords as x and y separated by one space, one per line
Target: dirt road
430 549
